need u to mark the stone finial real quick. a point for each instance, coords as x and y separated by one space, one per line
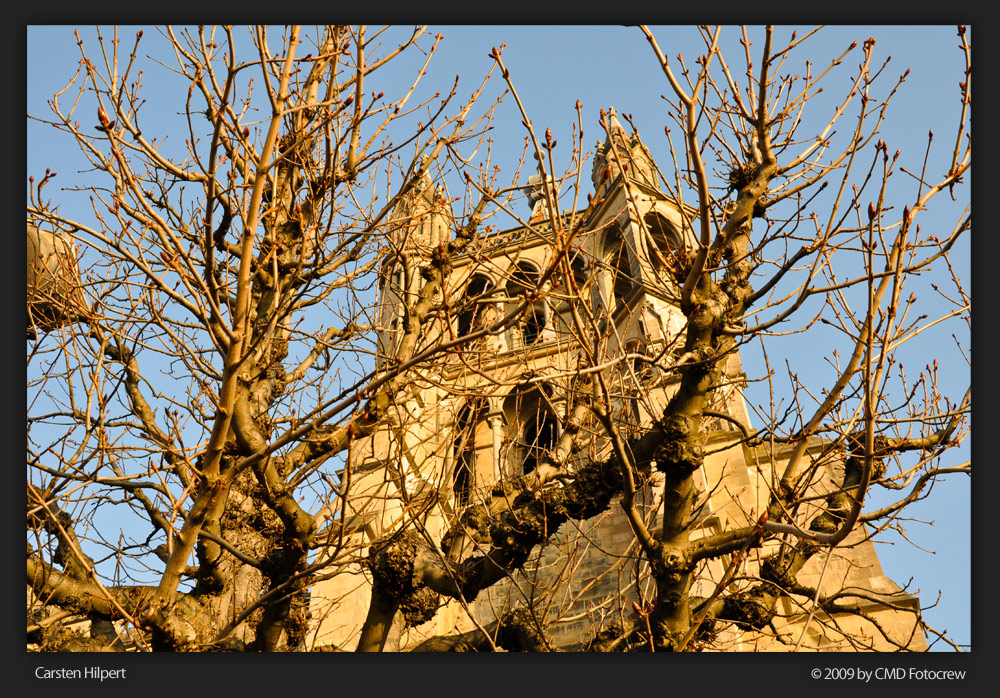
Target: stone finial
536 182
600 163
614 126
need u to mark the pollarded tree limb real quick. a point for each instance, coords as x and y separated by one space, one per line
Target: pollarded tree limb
517 630
915 492
80 595
472 641
938 438
404 563
180 628
69 553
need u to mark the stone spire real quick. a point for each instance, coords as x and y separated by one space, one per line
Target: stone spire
422 219
630 152
536 194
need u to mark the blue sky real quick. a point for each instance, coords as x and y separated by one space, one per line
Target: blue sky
602 66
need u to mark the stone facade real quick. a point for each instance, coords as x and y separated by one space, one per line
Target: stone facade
54 294
481 413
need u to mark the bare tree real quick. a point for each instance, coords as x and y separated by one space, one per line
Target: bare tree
285 291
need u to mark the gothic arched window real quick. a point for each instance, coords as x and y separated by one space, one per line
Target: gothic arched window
581 274
579 289
532 428
618 268
528 330
472 316
463 477
572 292
666 245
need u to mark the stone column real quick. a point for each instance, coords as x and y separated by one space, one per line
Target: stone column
495 420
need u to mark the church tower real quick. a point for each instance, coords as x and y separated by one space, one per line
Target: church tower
489 413
419 223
